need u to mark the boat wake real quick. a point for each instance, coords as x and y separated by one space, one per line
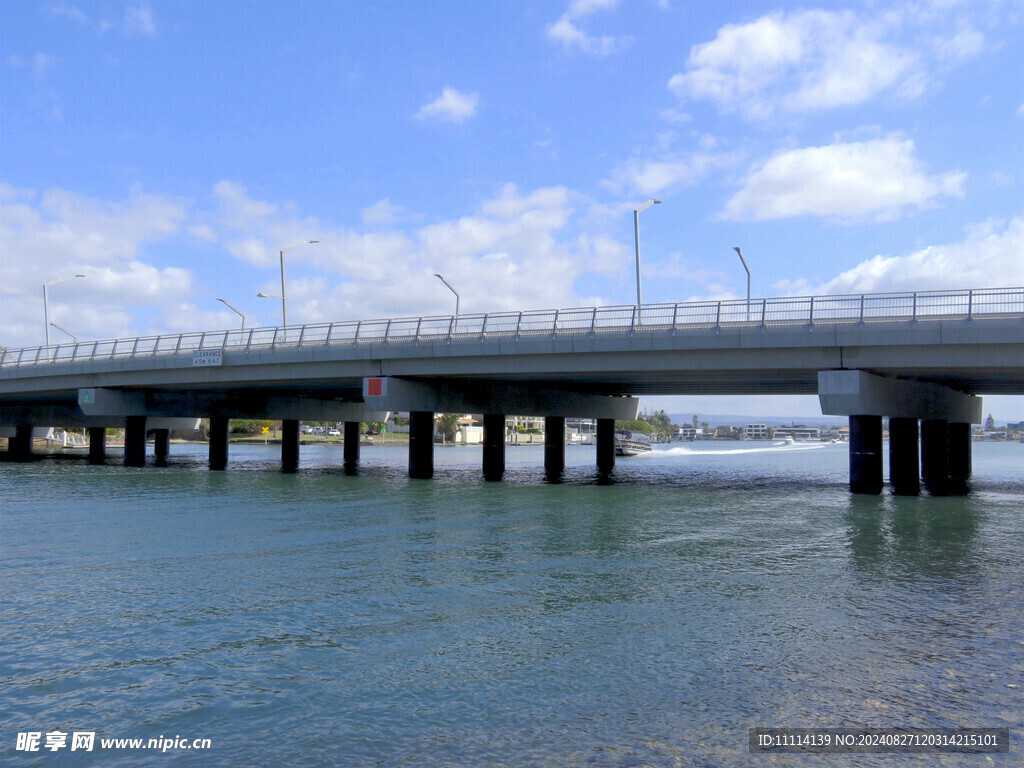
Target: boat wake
775 447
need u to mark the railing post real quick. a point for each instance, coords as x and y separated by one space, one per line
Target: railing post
554 326
593 323
327 339
273 341
302 334
248 341
177 347
419 322
632 322
519 325
483 328
451 329
811 314
915 307
718 318
970 304
135 346
675 314
387 331
764 307
862 309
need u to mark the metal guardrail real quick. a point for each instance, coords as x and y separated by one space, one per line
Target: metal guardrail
703 316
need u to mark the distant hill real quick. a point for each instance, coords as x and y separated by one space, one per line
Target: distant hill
720 420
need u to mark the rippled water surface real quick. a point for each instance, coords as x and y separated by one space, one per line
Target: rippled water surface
325 619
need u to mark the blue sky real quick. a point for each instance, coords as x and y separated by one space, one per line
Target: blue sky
169 150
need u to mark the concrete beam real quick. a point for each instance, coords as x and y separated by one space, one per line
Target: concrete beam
859 393
102 401
393 394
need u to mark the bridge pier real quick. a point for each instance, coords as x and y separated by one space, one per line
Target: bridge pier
945 448
161 446
494 446
351 447
605 445
289 445
97 445
554 446
19 445
866 454
218 442
904 461
135 441
421 444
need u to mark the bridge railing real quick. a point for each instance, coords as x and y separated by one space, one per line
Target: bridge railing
689 317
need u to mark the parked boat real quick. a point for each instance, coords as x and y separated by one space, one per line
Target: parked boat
631 443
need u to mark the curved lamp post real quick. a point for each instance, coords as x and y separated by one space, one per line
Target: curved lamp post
46 314
636 236
225 303
737 249
439 277
65 330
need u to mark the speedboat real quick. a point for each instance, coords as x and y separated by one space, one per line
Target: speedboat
631 443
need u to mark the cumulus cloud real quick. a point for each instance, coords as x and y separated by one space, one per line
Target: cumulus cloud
654 176
802 61
450 107
987 257
566 30
136 21
870 180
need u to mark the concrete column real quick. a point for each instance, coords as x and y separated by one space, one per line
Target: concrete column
866 454
97 444
904 462
19 447
421 444
494 446
959 443
218 442
161 445
935 454
605 445
289 445
351 443
135 441
554 445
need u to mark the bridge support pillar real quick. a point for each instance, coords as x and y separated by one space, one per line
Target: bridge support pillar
866 454
605 445
421 444
97 445
351 444
161 445
135 441
554 446
959 442
935 455
218 442
289 445
904 462
494 446
19 447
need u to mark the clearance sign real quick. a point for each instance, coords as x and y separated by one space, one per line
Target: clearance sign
375 387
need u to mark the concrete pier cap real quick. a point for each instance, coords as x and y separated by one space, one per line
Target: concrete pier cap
859 393
394 394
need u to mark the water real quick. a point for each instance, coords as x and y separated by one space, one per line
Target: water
321 619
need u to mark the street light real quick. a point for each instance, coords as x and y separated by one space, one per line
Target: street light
737 249
636 236
439 277
225 303
65 330
284 289
46 314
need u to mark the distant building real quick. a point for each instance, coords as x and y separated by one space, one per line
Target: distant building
799 432
754 432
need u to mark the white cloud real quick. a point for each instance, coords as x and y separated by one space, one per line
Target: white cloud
965 44
803 61
652 177
566 29
870 180
987 257
138 20
450 107
381 212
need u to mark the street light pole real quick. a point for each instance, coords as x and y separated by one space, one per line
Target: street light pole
737 249
284 293
439 277
46 314
636 236
234 310
65 330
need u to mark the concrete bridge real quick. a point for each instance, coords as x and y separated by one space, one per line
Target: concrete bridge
912 357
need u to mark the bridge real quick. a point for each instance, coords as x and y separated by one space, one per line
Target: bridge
919 358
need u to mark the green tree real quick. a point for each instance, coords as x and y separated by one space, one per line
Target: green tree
635 425
447 425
